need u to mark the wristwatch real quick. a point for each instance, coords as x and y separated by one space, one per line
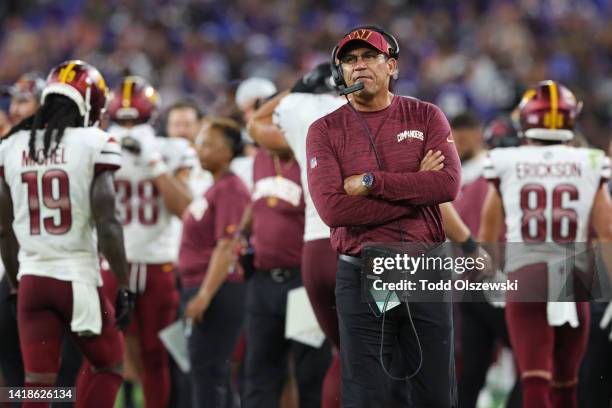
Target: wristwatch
367 180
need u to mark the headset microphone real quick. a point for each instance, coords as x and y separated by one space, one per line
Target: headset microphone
357 86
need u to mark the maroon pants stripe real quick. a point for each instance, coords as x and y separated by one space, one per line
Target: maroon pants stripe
44 312
319 262
156 308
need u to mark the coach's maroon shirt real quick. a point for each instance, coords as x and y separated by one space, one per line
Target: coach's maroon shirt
278 213
206 221
401 198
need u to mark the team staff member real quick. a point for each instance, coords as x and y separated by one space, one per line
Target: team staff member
281 124
215 298
183 120
276 236
25 96
368 194
482 324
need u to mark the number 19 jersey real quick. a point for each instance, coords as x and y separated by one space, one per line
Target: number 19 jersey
547 191
51 201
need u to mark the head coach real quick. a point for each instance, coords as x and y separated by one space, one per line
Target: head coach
363 172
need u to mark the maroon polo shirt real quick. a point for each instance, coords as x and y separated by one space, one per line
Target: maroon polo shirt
206 221
278 212
469 203
403 203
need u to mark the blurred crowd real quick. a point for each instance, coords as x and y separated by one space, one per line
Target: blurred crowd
475 54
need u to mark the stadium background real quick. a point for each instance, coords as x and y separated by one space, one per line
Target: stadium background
476 54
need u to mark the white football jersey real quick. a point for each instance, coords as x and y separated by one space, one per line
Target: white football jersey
242 166
547 191
294 115
148 231
51 201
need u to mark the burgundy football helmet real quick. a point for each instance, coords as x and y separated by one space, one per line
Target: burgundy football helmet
83 84
135 99
548 112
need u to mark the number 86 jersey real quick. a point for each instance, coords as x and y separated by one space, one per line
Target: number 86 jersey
547 191
51 201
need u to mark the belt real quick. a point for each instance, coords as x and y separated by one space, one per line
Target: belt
280 275
353 260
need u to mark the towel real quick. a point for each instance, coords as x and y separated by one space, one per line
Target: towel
86 313
560 287
559 313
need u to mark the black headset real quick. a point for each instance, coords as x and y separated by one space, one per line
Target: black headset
393 52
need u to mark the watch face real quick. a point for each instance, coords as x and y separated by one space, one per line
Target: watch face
367 180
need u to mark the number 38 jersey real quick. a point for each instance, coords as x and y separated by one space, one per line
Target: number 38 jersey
51 201
547 191
148 232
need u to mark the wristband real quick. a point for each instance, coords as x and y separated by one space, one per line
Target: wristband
158 168
469 245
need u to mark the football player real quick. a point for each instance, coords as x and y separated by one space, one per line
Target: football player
151 189
56 195
546 191
25 96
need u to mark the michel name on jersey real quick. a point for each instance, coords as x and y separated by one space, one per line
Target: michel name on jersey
548 170
55 157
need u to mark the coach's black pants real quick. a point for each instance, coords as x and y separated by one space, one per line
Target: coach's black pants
267 347
364 383
211 345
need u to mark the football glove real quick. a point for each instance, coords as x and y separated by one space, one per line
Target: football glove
316 81
124 307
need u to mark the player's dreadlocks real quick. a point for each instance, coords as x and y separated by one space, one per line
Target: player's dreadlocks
55 115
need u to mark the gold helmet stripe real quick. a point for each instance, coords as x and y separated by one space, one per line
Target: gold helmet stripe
127 92
554 103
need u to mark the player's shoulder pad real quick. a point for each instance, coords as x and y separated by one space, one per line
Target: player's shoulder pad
91 136
596 159
498 160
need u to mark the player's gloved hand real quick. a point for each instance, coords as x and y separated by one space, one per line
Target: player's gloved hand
124 307
483 262
316 81
131 144
606 319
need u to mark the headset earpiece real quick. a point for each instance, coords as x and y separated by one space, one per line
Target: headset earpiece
336 70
